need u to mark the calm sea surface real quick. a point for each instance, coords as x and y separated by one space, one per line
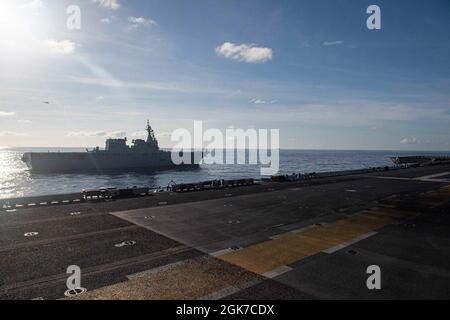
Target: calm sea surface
17 181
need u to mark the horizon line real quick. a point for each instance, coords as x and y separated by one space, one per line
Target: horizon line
12 148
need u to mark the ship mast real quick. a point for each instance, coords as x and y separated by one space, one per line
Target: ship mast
151 139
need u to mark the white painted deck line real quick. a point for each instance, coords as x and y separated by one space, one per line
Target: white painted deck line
277 272
349 243
154 270
223 252
281 235
391 178
230 290
436 180
424 179
432 176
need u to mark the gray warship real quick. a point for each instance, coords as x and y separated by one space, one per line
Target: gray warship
142 155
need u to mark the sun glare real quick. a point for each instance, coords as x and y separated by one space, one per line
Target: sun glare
18 27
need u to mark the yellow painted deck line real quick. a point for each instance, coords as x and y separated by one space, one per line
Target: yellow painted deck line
443 190
437 197
270 255
393 213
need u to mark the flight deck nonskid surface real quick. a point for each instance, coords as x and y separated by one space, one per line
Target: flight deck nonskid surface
293 240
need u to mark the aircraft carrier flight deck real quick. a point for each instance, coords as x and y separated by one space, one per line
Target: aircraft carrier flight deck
306 239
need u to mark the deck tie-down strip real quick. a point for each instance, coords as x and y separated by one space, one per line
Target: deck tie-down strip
265 257
202 277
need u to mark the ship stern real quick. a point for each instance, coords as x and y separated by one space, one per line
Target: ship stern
26 157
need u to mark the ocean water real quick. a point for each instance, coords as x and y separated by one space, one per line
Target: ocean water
17 181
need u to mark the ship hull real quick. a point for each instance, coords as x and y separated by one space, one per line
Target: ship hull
103 162
420 159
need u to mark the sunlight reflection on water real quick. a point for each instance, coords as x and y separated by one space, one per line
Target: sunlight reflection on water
17 181
13 172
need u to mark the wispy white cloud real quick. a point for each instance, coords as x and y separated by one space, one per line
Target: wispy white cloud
362 113
346 113
142 134
34 4
117 134
86 134
136 22
332 43
100 133
126 85
7 114
410 140
60 46
109 19
108 4
260 101
249 53
24 121
12 134
164 134
144 85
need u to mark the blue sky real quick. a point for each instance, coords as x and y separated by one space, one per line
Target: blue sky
309 68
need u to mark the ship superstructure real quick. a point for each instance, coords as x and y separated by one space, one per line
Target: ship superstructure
117 156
